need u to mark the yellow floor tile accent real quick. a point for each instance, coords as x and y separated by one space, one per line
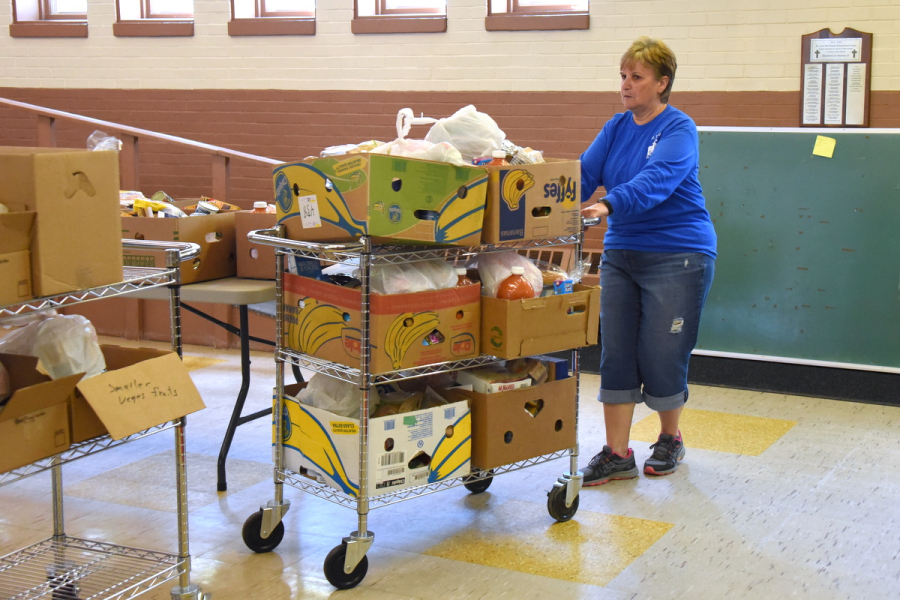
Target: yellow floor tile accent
593 548
148 483
719 431
200 362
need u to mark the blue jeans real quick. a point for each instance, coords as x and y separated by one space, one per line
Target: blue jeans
649 318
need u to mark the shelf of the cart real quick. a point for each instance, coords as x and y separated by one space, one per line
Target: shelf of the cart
76 451
322 490
78 568
345 373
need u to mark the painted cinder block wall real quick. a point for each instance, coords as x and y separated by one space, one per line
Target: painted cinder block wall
286 97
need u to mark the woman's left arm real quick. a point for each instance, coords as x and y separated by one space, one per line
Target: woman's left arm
673 158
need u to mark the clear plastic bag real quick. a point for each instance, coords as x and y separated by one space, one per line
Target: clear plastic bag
471 132
412 148
339 397
494 267
99 140
63 344
408 278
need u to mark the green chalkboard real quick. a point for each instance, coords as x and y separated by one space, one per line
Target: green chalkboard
809 247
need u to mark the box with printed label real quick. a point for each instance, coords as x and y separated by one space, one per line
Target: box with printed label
405 450
406 330
514 328
76 243
214 234
15 257
488 380
254 261
34 422
527 202
390 198
508 427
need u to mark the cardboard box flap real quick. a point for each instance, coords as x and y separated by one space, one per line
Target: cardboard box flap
37 397
15 231
137 397
118 357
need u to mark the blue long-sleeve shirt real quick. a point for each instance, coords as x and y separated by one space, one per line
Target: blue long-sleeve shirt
650 173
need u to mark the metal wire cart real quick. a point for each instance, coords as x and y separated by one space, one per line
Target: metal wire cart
64 567
346 565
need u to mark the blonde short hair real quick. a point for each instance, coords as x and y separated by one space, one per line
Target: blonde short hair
656 55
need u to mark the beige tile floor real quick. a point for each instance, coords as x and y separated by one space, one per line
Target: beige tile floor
778 497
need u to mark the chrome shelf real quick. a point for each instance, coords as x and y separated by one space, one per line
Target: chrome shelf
135 278
351 374
321 490
393 254
73 568
79 450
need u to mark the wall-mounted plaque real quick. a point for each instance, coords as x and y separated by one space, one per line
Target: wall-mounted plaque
836 70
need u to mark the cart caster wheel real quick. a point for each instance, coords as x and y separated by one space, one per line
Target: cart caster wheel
556 504
480 485
334 569
252 534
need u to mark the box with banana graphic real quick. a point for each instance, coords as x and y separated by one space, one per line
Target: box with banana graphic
527 202
405 450
406 330
393 199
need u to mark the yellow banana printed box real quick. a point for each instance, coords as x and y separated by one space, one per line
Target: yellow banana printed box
406 330
405 450
393 199
527 202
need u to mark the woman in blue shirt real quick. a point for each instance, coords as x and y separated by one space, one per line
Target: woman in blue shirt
658 260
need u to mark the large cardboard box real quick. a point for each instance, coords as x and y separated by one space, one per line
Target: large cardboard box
76 243
254 261
15 257
527 202
34 422
508 427
405 450
393 199
406 330
141 388
213 233
514 328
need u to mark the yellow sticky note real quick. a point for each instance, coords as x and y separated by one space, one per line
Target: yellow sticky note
824 146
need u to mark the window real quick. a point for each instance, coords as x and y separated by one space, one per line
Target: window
399 16
272 17
49 18
537 15
154 18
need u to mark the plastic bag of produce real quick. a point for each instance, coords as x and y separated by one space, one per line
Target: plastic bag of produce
471 132
339 397
408 278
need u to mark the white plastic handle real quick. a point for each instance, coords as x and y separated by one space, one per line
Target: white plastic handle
406 119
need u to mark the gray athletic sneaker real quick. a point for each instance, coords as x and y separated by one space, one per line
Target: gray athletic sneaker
607 466
667 452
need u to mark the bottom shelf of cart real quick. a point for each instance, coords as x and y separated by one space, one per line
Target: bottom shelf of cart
316 488
79 569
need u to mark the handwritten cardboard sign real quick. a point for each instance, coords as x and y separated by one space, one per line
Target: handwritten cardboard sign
139 396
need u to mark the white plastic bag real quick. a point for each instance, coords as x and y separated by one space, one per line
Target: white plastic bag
494 267
412 148
99 140
471 132
63 344
408 278
339 397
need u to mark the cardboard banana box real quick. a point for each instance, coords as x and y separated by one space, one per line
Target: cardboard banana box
406 330
527 202
405 450
394 200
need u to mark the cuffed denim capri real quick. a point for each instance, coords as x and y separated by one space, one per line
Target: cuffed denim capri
649 319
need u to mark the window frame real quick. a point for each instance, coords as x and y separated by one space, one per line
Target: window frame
387 20
271 22
147 13
152 26
69 26
537 18
46 13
